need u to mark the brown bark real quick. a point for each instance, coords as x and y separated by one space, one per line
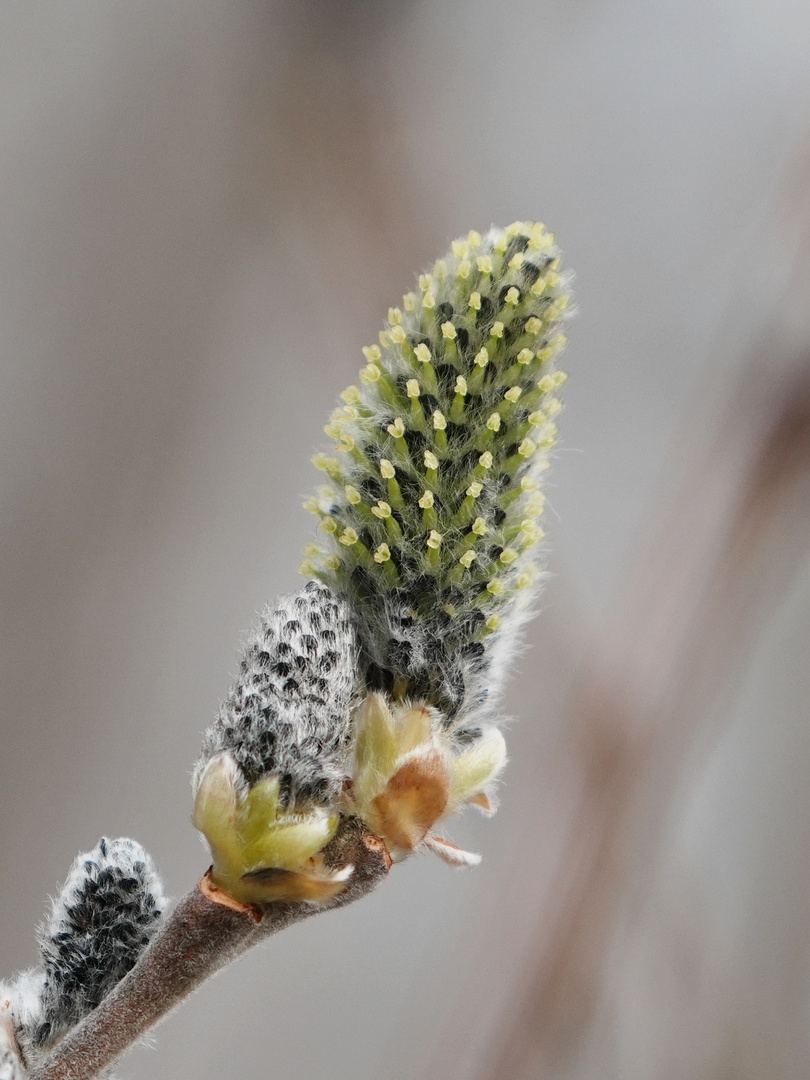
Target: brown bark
199 938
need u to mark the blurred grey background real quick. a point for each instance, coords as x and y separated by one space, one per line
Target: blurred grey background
206 210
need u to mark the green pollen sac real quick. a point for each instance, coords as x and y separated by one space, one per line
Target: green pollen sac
442 443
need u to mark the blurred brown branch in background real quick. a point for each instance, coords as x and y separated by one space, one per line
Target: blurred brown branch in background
685 619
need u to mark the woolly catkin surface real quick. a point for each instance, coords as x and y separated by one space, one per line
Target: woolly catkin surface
288 711
106 913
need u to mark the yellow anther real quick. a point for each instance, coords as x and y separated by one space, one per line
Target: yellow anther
475 301
516 261
397 429
497 330
524 580
449 331
334 431
559 378
429 301
431 461
493 622
434 540
329 525
546 384
409 301
513 394
480 527
501 244
475 489
426 500
307 568
440 269
397 334
512 296
552 279
394 316
439 421
372 353
527 483
533 536
425 282
326 464
422 353
461 385
382 554
464 268
484 264
474 238
412 388
348 537
485 461
527 447
346 443
525 356
508 555
538 237
381 510
384 338
332 562
553 406
495 587
312 505
370 373
460 248
494 422
482 358
352 494
538 418
533 325
351 395
467 559
515 228
536 504
387 470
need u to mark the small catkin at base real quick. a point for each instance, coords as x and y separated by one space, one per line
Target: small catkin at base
274 763
99 924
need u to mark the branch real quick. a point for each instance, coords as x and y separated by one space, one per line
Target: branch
198 939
